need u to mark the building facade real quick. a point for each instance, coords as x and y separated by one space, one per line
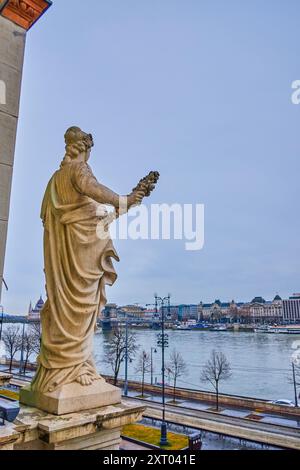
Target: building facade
34 313
219 311
291 309
262 311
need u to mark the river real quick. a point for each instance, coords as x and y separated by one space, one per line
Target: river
260 363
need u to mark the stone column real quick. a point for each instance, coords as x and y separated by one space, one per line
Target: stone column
16 17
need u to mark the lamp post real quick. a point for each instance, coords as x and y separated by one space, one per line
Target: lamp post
126 358
163 343
295 384
153 350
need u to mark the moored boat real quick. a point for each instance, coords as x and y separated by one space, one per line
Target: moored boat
283 329
219 328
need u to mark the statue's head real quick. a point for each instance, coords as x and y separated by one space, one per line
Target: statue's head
78 144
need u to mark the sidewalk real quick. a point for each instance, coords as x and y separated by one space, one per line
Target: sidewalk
228 411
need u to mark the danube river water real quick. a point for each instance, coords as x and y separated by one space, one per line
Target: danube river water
261 363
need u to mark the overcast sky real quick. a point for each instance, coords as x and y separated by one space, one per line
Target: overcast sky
199 90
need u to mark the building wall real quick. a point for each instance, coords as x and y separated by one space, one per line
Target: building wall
269 311
12 44
291 310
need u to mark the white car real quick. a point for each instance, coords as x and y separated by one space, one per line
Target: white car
282 402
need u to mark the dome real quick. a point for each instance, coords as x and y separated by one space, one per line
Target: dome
258 300
40 304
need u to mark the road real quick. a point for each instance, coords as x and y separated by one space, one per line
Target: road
240 412
243 428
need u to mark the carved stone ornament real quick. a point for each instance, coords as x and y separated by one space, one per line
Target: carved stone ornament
24 12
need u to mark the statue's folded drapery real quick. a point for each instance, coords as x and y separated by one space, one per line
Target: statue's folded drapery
77 266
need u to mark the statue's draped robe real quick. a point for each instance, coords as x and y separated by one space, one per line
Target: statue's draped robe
77 268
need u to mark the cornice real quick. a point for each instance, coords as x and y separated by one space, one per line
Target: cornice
24 13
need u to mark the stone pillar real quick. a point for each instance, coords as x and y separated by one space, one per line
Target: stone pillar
16 17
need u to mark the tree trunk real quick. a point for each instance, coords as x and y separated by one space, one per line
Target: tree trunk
174 391
217 396
117 370
143 380
10 363
115 377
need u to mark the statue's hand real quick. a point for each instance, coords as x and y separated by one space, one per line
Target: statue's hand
135 198
143 189
147 184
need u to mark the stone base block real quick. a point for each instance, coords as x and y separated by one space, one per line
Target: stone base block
95 429
72 398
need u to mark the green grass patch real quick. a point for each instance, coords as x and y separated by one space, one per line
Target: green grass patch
9 394
151 435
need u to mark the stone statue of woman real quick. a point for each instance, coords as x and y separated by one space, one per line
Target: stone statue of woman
78 266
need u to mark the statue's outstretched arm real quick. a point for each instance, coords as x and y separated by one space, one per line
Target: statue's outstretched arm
86 183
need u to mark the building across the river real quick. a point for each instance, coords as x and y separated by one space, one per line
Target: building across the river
264 311
34 312
257 311
291 309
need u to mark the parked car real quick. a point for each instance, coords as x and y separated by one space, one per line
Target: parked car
282 402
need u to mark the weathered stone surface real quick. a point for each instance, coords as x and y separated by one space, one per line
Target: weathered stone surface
72 397
8 129
12 79
3 235
96 429
5 188
12 43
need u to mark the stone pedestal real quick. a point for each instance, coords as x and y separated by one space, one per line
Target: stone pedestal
72 397
96 429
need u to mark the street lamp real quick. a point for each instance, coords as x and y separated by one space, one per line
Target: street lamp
163 342
153 350
295 383
126 357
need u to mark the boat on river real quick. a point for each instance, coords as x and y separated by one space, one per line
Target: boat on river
219 328
281 329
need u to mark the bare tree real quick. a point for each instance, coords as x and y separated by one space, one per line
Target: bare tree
31 344
297 368
143 366
12 340
116 350
35 331
297 374
295 381
216 369
176 368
